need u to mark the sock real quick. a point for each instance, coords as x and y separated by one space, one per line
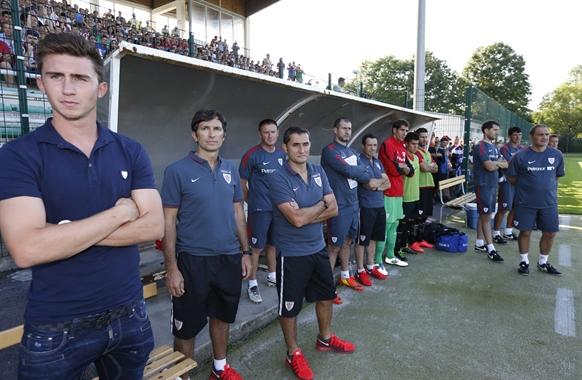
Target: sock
508 231
524 257
253 283
361 270
370 267
543 259
490 247
345 274
272 276
496 233
479 242
219 364
323 340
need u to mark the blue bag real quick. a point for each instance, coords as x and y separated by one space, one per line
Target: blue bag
455 242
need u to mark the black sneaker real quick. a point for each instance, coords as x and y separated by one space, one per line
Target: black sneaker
499 240
400 256
523 268
512 236
494 256
548 268
480 249
408 251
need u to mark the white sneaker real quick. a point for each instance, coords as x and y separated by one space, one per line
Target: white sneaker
396 262
382 270
254 294
271 282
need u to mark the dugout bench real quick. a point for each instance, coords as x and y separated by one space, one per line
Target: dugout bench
458 202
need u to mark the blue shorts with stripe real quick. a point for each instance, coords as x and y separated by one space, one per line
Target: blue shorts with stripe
486 199
546 219
506 196
345 224
260 228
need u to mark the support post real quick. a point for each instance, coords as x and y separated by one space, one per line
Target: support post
20 76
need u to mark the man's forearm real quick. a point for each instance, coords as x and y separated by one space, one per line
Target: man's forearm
169 245
148 227
329 212
241 229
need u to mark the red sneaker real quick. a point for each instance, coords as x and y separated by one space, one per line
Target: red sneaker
425 244
375 272
351 283
227 374
337 300
364 278
335 344
299 365
416 247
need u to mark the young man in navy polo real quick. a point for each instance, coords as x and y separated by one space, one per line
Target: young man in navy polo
372 215
75 200
204 231
486 163
345 170
256 166
535 171
303 199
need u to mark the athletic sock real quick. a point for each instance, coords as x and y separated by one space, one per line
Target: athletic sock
345 274
496 233
543 259
219 364
479 242
370 267
490 247
272 276
361 270
508 231
524 257
253 283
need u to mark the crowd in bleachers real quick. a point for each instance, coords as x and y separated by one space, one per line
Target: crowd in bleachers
41 17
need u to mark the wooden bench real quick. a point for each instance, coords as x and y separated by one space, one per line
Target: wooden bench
458 202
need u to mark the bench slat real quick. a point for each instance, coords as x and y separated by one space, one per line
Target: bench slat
181 368
461 200
159 352
450 182
11 336
163 362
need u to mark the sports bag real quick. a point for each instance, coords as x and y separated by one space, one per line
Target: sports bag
433 230
455 242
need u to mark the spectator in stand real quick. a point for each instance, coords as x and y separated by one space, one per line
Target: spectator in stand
267 61
299 74
235 49
440 155
339 87
291 72
457 156
6 36
281 68
6 62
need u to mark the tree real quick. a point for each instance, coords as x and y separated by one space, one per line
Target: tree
500 72
391 80
561 110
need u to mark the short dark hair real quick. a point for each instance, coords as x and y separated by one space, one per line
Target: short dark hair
421 130
513 130
267 122
399 123
554 135
207 115
70 44
411 136
368 136
532 131
337 121
488 125
293 130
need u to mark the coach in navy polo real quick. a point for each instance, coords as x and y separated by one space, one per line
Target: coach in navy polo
303 199
204 231
535 171
75 200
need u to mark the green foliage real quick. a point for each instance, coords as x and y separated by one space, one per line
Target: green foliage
500 72
561 110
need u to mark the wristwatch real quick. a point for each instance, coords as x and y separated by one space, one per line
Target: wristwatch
247 252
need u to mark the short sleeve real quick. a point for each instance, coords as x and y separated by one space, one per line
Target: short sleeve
483 153
237 196
244 168
325 183
171 188
280 191
19 175
142 172
513 169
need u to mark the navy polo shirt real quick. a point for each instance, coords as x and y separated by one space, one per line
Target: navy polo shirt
485 151
73 187
366 197
256 166
345 171
204 198
287 186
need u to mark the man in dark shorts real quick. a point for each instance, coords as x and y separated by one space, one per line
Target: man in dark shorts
256 166
75 201
204 231
303 199
535 171
372 215
506 189
486 163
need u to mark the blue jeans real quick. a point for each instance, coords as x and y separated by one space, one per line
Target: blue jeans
119 349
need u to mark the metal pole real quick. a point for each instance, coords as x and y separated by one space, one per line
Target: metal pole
467 134
419 67
20 77
329 81
191 33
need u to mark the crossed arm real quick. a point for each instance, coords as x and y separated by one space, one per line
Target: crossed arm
317 213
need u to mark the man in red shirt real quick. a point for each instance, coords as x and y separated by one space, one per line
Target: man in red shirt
393 157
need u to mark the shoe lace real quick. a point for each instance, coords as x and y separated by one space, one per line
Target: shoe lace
334 341
298 362
229 374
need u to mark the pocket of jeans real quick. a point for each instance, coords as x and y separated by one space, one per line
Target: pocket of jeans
39 346
139 312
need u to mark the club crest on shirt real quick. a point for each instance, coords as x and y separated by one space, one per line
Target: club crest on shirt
317 179
334 239
227 176
280 160
485 209
362 237
254 240
124 174
420 212
551 160
289 305
515 223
